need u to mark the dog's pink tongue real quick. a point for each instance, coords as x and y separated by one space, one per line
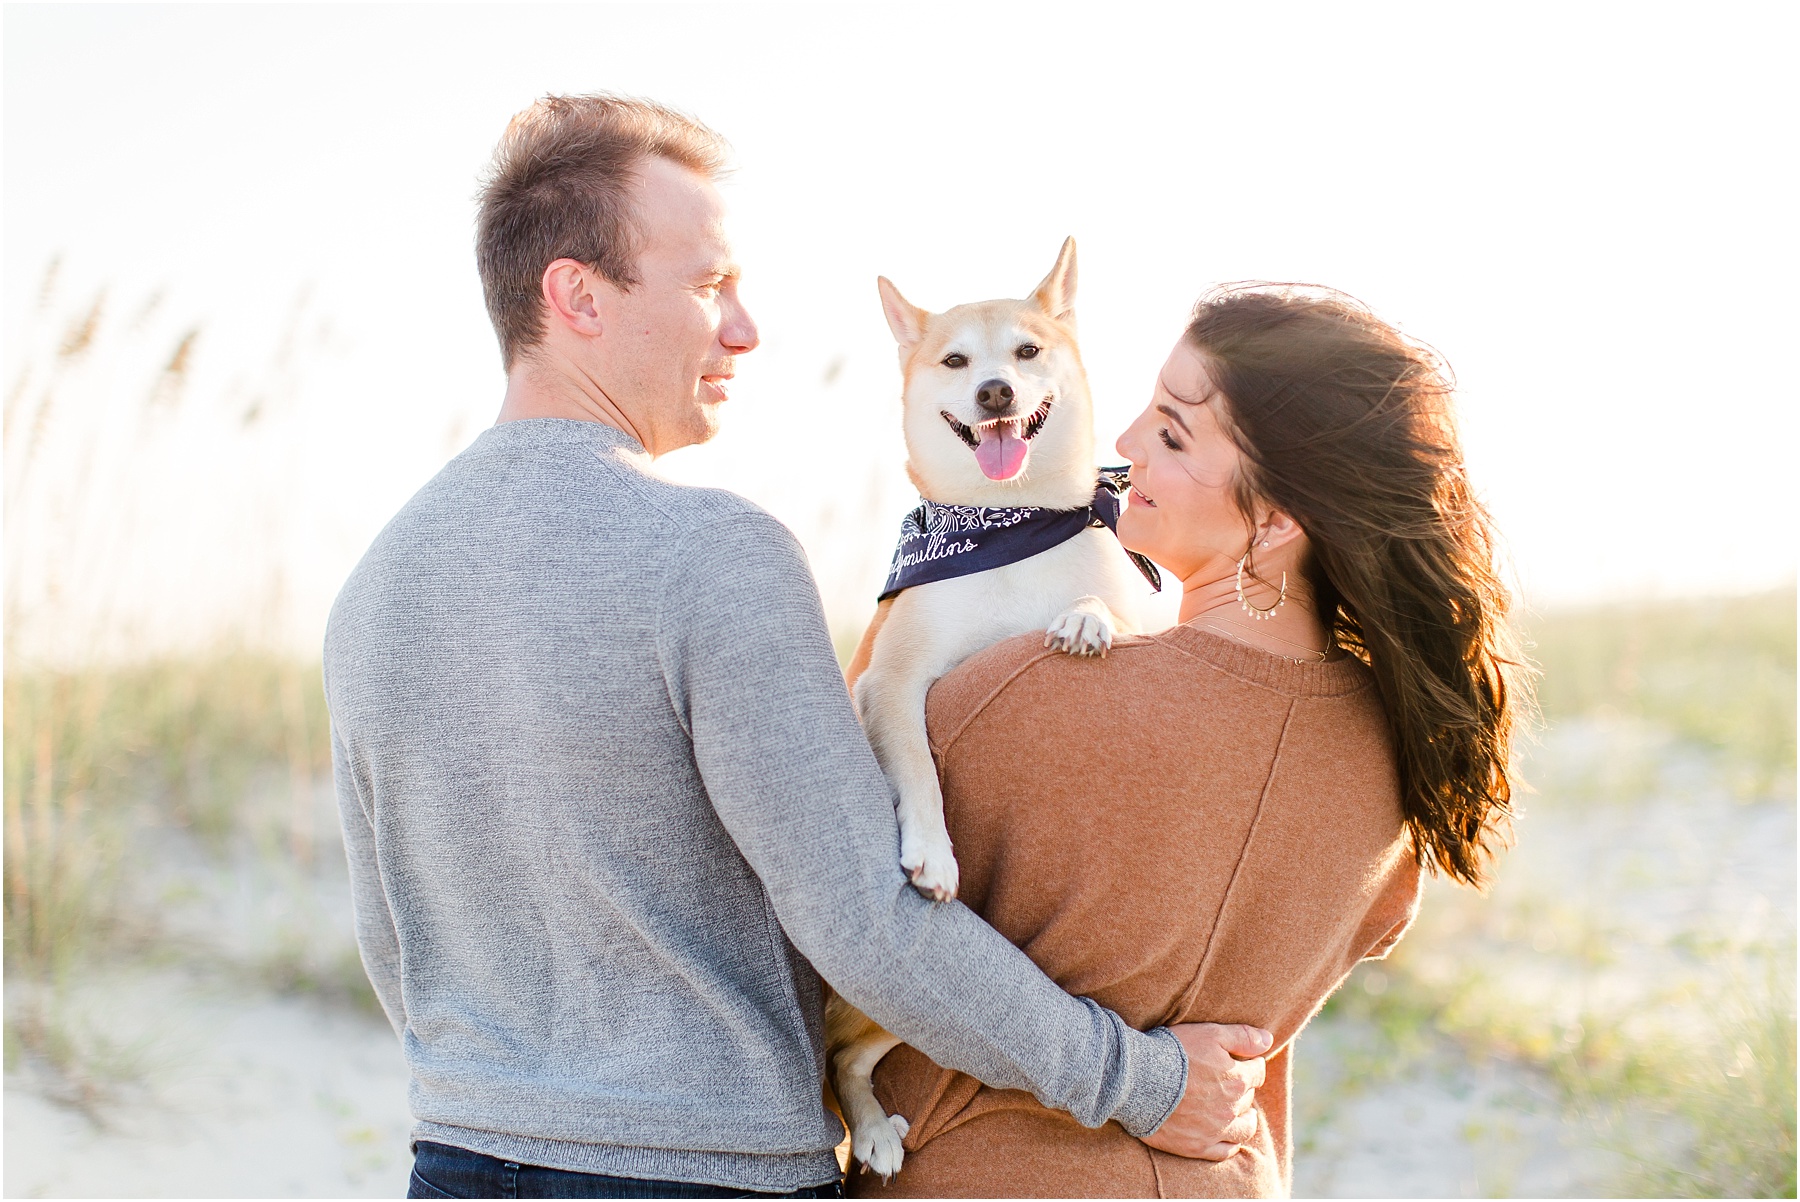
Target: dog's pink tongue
1001 453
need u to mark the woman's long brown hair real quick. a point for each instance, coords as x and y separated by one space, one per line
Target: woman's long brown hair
1347 427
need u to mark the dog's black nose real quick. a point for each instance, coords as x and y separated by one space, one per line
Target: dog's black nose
996 396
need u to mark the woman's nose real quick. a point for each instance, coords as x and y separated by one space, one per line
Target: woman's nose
1124 445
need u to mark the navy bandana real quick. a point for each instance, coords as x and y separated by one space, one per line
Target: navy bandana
938 542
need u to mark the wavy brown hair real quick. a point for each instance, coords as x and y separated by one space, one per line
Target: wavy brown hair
1346 425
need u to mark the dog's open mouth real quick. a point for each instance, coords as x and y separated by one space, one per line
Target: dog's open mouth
999 445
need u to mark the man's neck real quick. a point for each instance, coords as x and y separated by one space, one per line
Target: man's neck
538 389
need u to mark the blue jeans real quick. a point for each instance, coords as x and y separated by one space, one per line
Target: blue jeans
441 1171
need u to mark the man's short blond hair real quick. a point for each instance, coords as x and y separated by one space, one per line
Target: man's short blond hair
560 187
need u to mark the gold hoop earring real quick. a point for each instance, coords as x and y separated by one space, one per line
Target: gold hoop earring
1253 611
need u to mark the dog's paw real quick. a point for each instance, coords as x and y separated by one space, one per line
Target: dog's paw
877 1145
931 866
1080 631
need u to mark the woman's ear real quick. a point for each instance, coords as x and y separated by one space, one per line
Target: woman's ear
1277 529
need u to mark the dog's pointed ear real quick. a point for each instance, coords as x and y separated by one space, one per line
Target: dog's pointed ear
904 318
1056 295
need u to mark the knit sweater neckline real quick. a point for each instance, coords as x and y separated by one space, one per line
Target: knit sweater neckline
1327 678
562 431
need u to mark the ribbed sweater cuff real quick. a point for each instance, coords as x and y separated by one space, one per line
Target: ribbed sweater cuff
1159 1070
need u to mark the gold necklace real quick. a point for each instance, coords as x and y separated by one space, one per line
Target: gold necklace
1319 656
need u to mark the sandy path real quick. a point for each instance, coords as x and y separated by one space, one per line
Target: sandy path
1445 1127
235 1094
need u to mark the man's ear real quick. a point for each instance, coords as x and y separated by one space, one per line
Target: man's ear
569 288
1056 295
904 318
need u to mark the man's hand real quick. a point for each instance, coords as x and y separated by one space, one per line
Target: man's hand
1225 1069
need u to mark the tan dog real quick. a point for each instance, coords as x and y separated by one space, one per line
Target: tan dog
997 414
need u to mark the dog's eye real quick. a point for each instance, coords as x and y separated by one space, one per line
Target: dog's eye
1028 351
955 360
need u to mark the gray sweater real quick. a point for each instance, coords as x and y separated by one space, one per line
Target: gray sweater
608 808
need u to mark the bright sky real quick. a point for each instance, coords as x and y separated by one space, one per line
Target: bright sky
1586 209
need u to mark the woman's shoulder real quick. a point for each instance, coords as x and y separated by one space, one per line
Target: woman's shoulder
966 689
1193 658
1341 677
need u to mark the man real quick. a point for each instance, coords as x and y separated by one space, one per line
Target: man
606 804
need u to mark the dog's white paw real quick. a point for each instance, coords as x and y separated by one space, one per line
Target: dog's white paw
877 1144
1080 632
931 865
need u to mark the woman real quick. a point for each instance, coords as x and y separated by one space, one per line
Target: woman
1215 823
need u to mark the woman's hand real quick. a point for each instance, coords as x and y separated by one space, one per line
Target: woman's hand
1225 1068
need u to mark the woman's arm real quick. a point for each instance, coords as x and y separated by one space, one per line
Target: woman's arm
1394 910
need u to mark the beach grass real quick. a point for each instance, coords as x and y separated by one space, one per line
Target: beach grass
1718 672
87 750
1636 951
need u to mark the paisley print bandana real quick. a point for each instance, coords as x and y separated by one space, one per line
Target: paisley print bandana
938 542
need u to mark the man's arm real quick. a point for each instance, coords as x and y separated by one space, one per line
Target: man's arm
375 935
753 676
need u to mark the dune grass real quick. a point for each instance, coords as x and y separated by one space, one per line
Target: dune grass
1718 672
1628 952
85 749
224 749
144 790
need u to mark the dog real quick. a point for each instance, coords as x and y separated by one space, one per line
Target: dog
999 423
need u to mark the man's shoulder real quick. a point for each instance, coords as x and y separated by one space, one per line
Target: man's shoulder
692 509
560 474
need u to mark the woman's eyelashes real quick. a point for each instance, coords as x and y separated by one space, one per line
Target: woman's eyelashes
1168 441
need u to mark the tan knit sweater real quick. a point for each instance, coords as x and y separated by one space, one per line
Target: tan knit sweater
1187 830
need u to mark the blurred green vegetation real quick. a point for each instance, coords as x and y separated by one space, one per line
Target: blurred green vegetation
1718 672
1700 1108
1610 957
87 751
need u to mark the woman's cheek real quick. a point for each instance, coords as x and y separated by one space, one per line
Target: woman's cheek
1140 528
1131 533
